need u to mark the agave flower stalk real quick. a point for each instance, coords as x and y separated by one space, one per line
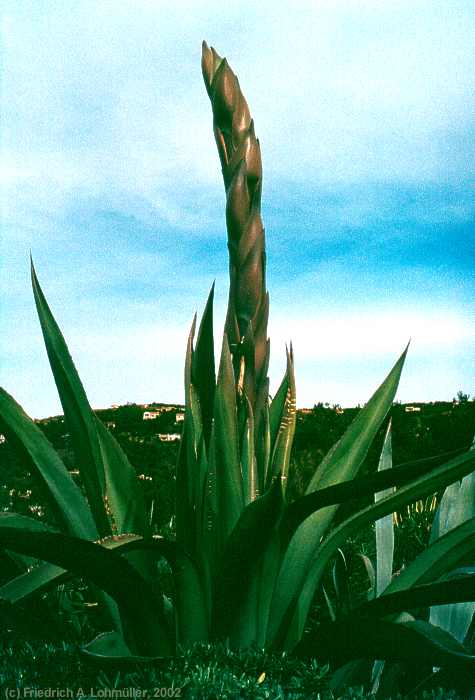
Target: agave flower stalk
240 156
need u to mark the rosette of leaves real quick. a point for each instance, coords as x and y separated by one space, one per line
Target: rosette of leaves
245 562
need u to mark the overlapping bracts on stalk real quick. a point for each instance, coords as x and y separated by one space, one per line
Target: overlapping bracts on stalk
240 156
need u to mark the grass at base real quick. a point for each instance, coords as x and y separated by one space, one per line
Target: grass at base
207 672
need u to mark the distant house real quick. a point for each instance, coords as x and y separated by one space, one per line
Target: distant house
168 437
339 410
305 410
412 409
151 415
179 418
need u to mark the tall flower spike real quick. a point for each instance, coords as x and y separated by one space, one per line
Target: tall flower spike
239 152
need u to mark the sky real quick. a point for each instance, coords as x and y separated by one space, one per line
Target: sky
110 177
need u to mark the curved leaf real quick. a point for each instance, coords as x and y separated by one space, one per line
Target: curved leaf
139 605
282 444
203 375
187 456
415 641
71 504
77 411
453 590
45 575
250 479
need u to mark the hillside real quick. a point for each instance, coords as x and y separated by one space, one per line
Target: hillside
150 435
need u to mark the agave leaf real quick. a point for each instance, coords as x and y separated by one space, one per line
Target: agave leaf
282 444
77 411
384 528
140 606
110 647
345 458
451 590
243 551
38 580
186 465
341 582
124 494
250 479
405 641
430 482
331 610
456 506
276 409
438 559
45 575
342 462
203 374
370 572
263 446
23 522
107 646
71 505
455 618
224 452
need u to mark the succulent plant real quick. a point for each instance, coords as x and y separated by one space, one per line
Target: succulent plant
246 562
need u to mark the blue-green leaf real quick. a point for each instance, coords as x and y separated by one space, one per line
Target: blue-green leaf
77 411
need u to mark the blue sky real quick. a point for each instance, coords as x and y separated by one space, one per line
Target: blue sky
110 176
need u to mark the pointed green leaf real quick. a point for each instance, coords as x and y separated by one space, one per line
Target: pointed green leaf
250 478
187 456
276 409
341 463
71 504
282 445
110 649
77 411
341 582
38 580
225 462
203 374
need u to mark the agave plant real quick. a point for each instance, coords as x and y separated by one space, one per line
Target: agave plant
246 562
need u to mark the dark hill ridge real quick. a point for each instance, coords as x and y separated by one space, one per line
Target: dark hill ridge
420 430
